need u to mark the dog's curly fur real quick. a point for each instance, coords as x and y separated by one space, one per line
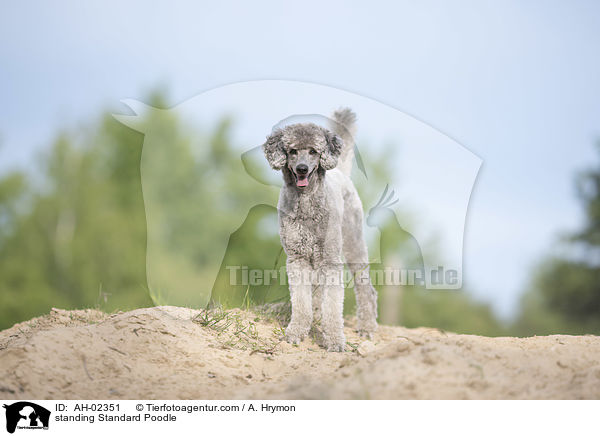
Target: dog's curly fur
321 219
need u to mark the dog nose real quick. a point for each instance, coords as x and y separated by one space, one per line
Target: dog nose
302 169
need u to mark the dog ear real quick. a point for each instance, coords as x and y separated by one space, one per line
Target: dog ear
333 148
274 150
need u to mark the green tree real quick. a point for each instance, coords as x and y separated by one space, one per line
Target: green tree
74 236
564 296
79 230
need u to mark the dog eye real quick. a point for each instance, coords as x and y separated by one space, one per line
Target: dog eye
293 152
313 151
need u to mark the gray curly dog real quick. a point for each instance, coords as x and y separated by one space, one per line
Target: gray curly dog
321 219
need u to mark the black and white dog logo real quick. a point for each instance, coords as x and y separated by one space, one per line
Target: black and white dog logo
26 415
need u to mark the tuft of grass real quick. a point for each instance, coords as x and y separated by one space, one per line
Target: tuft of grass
102 298
353 346
237 331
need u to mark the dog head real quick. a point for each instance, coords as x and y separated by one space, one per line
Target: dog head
303 151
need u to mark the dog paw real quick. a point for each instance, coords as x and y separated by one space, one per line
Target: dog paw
336 348
365 334
294 340
336 343
294 337
366 328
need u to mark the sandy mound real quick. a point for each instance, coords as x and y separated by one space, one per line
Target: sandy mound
178 353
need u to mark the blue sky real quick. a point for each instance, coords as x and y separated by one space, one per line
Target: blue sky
515 82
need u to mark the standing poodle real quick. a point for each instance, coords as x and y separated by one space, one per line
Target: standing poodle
321 218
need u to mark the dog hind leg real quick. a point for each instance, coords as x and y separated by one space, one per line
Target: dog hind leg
357 259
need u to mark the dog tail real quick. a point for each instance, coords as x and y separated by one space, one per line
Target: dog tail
343 124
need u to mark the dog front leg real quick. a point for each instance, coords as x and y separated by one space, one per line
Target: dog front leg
300 284
333 310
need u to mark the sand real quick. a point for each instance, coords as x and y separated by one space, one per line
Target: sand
179 353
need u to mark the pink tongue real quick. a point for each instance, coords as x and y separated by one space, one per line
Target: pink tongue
302 182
